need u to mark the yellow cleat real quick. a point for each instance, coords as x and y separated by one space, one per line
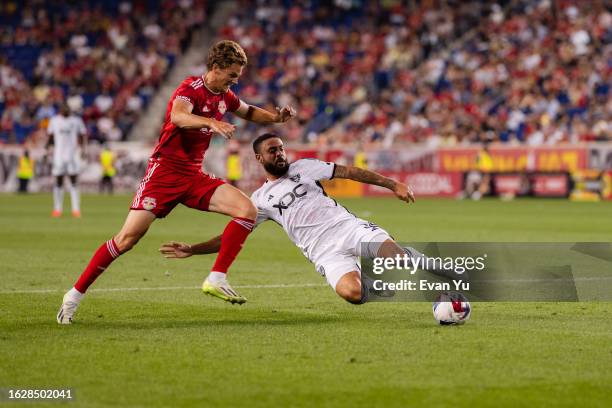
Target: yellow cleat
222 291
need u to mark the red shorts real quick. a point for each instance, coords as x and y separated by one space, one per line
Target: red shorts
162 188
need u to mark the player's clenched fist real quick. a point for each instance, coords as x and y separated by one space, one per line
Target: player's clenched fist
174 249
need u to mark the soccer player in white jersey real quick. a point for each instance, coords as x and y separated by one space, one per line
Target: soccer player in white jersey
293 197
66 132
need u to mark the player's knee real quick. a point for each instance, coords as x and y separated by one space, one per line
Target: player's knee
126 241
351 292
59 181
246 209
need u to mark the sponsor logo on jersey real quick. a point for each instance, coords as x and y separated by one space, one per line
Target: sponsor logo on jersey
222 108
289 198
149 203
185 98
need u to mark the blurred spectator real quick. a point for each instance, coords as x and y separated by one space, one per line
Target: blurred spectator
100 57
435 72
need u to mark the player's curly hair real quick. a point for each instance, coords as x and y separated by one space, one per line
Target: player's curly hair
225 53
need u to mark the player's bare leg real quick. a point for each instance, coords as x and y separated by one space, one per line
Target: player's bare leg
135 227
230 201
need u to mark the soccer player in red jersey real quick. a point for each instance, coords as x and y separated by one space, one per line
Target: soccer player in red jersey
175 174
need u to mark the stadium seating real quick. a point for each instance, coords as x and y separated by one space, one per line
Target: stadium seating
105 58
441 73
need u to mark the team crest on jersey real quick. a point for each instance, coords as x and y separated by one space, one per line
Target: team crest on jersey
295 179
149 203
222 107
370 226
205 109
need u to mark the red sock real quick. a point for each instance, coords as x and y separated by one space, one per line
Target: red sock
99 262
232 239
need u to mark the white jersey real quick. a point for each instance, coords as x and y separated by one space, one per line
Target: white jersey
299 204
65 131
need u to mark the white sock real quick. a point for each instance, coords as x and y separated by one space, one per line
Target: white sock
58 198
217 277
75 294
74 198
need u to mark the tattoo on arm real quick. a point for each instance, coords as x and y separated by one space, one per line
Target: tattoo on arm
249 114
363 176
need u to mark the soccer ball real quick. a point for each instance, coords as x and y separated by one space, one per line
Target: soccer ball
451 308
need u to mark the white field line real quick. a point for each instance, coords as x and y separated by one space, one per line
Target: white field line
278 286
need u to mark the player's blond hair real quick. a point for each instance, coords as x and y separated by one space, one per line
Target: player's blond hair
225 53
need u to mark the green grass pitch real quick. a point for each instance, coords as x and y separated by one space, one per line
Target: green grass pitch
156 341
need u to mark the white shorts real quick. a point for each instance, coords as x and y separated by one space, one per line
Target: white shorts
343 256
65 167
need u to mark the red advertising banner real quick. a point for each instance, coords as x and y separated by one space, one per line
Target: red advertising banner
550 185
423 184
508 183
560 159
457 160
511 160
536 184
464 159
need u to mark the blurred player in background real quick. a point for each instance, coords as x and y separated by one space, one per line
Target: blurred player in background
293 197
478 180
234 169
66 133
107 161
361 159
25 171
175 176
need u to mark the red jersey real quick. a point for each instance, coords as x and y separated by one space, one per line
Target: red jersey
184 149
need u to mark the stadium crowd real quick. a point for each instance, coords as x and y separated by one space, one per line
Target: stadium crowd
439 72
436 72
105 59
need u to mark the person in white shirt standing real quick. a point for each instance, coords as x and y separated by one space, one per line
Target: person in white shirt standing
66 133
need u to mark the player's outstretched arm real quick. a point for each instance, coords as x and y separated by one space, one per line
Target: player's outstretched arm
401 190
258 115
174 249
181 116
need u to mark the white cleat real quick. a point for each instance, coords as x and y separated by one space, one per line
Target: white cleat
69 306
